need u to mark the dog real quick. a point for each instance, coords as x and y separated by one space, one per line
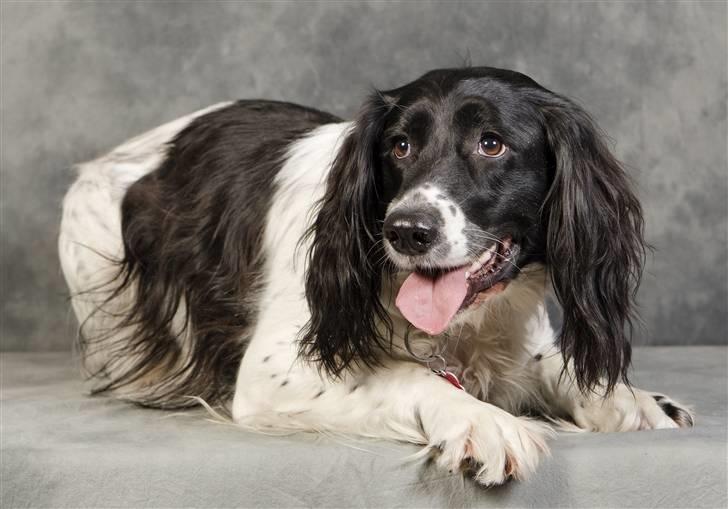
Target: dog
385 277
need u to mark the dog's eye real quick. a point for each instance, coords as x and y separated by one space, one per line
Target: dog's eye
401 148
491 145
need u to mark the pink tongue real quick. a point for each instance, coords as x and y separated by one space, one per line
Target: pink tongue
429 304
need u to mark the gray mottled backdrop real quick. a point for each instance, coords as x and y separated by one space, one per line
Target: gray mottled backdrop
78 78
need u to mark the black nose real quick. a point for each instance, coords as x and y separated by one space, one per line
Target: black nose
411 233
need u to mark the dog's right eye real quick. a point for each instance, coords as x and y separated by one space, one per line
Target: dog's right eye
401 148
491 146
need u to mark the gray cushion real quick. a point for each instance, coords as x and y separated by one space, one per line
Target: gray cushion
62 448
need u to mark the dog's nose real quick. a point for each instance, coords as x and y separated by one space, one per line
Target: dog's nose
411 234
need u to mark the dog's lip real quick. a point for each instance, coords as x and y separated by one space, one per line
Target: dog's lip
493 274
487 271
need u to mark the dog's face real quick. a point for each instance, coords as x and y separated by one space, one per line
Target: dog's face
462 178
465 168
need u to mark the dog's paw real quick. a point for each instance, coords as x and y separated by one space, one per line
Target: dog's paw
490 444
679 414
630 410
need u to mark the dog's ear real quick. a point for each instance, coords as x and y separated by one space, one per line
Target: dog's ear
348 322
595 246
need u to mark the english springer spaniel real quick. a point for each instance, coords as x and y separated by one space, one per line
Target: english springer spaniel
383 277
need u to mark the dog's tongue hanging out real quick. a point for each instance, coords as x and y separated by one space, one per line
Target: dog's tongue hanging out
429 303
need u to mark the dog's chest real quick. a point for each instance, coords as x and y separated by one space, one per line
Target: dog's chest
493 369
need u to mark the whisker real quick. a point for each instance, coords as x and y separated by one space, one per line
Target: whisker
484 234
375 246
490 236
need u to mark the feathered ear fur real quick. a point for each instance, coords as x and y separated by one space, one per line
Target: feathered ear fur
348 322
595 245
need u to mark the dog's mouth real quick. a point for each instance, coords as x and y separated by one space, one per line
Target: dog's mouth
429 299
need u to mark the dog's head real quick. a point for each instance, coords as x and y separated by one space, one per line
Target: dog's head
462 178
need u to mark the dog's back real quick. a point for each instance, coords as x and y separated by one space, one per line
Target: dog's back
142 221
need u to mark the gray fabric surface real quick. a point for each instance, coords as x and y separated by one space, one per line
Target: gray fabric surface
79 78
61 448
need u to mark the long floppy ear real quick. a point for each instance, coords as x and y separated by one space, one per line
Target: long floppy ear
595 246
348 322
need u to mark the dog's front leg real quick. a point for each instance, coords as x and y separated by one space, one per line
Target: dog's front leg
400 400
624 409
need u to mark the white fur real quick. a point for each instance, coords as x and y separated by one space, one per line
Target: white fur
490 347
455 224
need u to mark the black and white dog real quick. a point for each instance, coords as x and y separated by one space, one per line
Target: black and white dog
383 277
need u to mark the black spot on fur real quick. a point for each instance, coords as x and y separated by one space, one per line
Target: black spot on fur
470 466
284 383
677 414
538 357
266 358
354 387
670 410
273 376
319 394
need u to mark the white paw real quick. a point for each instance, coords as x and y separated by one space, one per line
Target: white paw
630 410
486 442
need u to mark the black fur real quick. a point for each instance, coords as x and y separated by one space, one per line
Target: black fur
192 230
349 324
681 416
595 244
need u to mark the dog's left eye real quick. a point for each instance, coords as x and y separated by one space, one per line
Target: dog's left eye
401 148
491 145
